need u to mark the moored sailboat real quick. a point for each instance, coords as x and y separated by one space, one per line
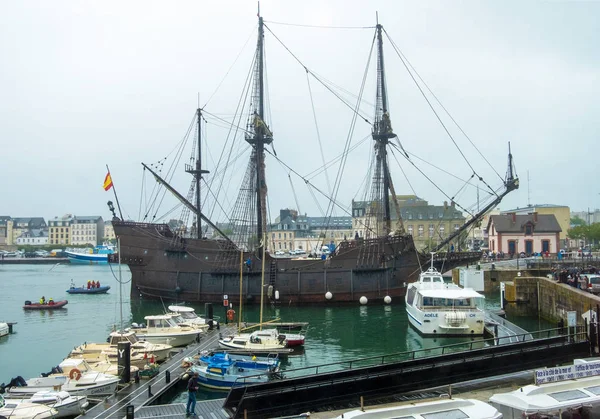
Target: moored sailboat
183 264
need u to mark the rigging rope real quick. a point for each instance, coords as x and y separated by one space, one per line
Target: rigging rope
312 104
433 109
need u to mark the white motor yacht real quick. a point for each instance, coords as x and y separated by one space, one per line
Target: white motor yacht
448 408
65 404
437 308
189 316
80 380
163 329
178 318
14 409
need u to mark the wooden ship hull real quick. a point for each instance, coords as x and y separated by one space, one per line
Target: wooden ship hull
202 270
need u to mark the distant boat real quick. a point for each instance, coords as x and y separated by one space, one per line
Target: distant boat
95 256
84 290
37 306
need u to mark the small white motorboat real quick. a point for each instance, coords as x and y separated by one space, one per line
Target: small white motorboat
448 408
138 347
259 340
79 381
65 404
162 329
188 314
3 329
12 409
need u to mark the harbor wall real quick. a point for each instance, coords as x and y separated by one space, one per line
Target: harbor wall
493 277
533 296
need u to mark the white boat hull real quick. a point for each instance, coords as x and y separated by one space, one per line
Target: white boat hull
3 329
436 324
180 339
104 387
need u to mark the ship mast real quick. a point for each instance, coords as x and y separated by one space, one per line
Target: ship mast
260 135
382 132
197 172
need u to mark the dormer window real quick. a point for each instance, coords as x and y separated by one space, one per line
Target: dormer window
529 229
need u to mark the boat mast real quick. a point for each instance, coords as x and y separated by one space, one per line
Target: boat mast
382 132
510 184
197 172
261 135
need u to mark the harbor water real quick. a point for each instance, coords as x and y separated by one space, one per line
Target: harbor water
42 339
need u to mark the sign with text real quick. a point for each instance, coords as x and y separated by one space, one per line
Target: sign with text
568 372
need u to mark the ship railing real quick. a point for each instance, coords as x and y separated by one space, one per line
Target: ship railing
578 334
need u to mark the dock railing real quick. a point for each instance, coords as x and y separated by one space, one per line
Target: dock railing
577 334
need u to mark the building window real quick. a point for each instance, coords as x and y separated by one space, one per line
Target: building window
420 216
420 231
410 216
456 227
284 236
442 231
291 245
410 229
529 229
441 215
431 230
273 236
279 235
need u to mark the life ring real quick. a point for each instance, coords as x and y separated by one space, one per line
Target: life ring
75 374
230 314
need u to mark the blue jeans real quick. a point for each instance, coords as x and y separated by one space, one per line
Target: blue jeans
191 404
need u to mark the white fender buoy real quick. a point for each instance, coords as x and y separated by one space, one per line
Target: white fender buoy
277 294
387 299
328 295
363 300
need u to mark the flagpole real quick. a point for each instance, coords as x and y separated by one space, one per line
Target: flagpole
115 191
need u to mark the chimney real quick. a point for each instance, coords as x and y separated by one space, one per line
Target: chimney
513 216
535 218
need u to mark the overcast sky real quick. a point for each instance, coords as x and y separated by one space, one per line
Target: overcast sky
85 84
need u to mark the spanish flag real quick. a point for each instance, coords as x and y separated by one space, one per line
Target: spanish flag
108 182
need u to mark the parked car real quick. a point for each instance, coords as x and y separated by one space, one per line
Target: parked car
594 284
584 253
280 252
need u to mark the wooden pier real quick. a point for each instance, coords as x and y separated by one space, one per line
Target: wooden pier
137 397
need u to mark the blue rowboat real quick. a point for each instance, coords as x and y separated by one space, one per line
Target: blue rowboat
223 373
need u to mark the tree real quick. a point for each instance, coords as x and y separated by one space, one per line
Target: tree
576 221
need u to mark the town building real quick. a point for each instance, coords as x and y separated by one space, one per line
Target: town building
59 230
23 225
562 213
109 232
292 231
87 230
588 217
6 224
517 233
35 237
428 224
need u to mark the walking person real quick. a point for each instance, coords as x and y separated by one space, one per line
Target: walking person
192 388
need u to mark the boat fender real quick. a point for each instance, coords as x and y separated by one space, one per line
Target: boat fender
75 374
27 303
